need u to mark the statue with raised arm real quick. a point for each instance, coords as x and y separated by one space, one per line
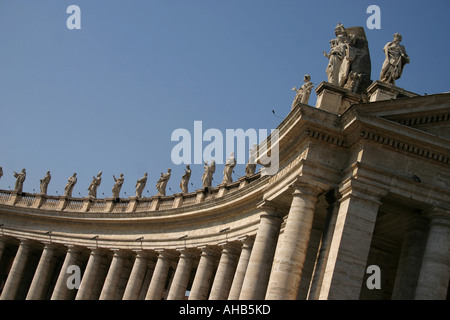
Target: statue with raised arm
162 183
70 185
44 183
20 178
228 170
117 186
185 179
334 62
395 60
140 185
303 92
95 183
1 172
207 176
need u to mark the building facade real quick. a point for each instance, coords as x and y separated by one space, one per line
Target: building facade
359 209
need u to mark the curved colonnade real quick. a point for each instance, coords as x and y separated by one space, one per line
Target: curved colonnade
307 232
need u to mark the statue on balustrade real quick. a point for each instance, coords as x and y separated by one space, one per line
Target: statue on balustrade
117 186
44 182
395 60
250 168
185 179
303 92
228 170
70 185
207 176
95 183
1 172
140 185
162 183
20 178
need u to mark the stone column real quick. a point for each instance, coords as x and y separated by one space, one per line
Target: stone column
112 278
44 271
351 241
435 270
225 271
156 288
61 291
204 275
137 275
17 269
2 247
238 280
410 259
181 277
90 275
289 260
319 269
260 263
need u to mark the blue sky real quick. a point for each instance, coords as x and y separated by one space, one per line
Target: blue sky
108 97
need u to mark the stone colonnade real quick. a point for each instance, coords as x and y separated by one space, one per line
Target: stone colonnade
267 265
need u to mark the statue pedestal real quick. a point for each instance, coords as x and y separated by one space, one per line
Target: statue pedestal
335 99
379 91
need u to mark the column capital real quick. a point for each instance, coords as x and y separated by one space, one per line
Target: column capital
438 215
303 188
355 188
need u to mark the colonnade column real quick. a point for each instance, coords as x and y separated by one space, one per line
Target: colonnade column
44 271
260 263
410 259
225 271
289 260
137 275
180 280
435 269
238 280
347 259
156 288
90 275
15 274
204 274
112 279
61 291
2 247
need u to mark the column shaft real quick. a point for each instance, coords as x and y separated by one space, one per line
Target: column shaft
61 290
290 258
15 274
241 268
204 275
156 288
225 272
137 275
181 277
44 271
435 271
350 245
112 279
260 263
89 276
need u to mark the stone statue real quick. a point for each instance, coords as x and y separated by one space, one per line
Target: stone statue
44 182
162 183
207 176
228 170
185 179
303 92
334 62
1 172
251 164
395 60
349 53
140 185
70 185
117 186
95 183
20 178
